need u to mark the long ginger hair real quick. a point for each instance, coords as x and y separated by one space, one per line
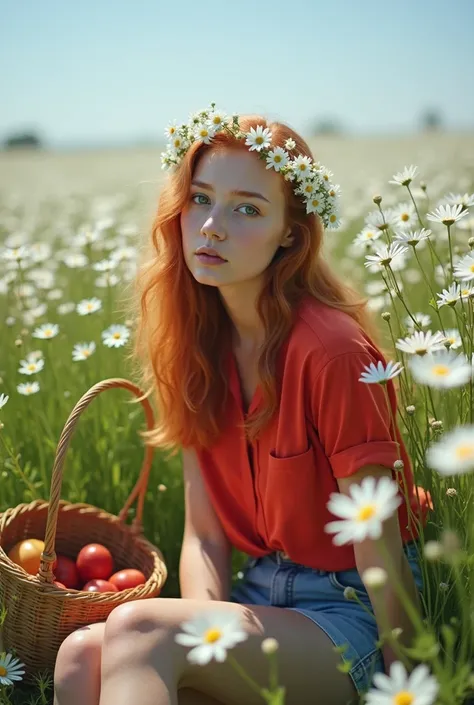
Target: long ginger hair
183 331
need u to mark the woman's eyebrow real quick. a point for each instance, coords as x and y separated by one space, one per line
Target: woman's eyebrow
249 194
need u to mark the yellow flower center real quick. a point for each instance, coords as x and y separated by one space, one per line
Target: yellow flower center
259 140
465 452
86 353
212 635
326 177
172 130
403 698
471 268
116 336
48 332
366 512
332 192
32 366
465 292
332 218
177 142
315 202
420 351
441 370
405 217
89 307
204 132
216 120
3 671
277 158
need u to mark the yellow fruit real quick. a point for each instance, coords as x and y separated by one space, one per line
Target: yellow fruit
27 554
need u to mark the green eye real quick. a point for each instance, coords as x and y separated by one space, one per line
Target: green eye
255 211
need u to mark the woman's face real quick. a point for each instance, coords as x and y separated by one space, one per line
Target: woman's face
246 230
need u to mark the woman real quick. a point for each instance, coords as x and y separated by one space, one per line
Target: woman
255 349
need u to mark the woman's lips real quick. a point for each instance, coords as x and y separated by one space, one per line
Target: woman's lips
210 259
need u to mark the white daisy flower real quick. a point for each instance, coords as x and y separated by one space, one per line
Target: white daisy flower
333 191
54 295
124 253
178 143
15 254
11 669
378 220
367 235
277 158
449 296
31 367
75 260
259 138
334 220
364 511
315 204
464 269
3 400
454 453
374 577
385 254
47 330
204 132
105 265
447 215
453 337
412 237
302 166
115 336
421 342
405 177
34 355
27 388
171 129
290 144
418 688
211 634
86 236
218 118
378 374
422 319
403 216
87 306
82 351
67 307
455 199
441 369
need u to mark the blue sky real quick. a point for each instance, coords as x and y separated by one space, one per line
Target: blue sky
117 72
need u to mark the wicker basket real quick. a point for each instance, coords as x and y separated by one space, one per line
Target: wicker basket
39 614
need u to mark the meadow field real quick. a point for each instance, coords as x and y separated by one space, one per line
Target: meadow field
72 226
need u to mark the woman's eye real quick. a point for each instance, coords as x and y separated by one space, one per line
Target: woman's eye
255 211
198 195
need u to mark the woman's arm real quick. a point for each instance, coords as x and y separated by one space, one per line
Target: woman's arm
205 562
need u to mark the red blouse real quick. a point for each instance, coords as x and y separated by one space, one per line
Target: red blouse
271 495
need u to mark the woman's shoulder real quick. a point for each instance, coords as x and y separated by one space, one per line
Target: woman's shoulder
326 332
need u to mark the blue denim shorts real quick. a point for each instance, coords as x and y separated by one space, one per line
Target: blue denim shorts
277 581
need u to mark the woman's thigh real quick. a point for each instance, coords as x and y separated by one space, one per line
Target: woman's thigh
307 663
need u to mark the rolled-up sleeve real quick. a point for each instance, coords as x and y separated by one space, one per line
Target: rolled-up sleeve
352 418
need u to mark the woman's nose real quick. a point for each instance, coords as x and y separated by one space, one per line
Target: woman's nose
213 229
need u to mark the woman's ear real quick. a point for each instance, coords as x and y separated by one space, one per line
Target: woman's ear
287 239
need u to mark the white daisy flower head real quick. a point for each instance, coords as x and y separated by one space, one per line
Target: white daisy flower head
441 369
27 388
404 216
447 215
75 260
421 342
11 669
205 124
82 351
105 265
453 338
454 453
449 296
211 634
399 688
363 512
46 331
31 367
88 306
15 254
34 355
412 237
385 254
66 307
115 336
87 235
455 199
277 158
464 269
379 220
3 400
380 374
423 320
405 177
374 577
367 235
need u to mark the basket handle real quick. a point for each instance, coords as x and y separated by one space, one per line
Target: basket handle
49 555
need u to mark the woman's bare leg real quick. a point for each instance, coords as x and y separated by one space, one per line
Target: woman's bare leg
141 661
77 671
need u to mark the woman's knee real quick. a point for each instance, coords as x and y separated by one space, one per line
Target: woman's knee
80 653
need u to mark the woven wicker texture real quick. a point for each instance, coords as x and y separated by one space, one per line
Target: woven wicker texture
41 615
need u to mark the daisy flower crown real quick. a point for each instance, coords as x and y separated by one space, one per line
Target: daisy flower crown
312 181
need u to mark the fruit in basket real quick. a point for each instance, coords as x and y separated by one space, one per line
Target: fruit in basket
127 578
94 561
59 585
65 571
98 585
27 554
